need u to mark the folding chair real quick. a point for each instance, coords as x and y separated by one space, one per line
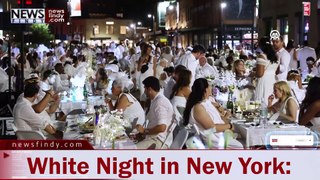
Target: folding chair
28 134
180 139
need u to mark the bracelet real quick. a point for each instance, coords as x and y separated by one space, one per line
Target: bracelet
230 126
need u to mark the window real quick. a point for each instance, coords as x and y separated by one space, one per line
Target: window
95 29
123 29
109 29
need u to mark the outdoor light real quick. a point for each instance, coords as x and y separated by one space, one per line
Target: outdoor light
306 28
149 15
171 7
139 23
223 5
132 25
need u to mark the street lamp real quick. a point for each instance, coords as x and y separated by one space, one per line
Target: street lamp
223 5
151 16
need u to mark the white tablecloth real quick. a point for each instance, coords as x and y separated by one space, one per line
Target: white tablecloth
254 135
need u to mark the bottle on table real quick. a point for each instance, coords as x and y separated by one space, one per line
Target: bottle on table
230 102
263 114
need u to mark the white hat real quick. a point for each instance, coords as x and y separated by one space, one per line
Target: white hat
32 76
112 67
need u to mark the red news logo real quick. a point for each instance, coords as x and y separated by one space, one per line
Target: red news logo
56 16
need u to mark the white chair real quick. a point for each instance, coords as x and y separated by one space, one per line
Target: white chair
28 134
180 139
174 125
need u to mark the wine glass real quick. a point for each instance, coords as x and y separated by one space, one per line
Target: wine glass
84 108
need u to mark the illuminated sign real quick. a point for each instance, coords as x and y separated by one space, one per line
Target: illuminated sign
75 7
162 8
306 8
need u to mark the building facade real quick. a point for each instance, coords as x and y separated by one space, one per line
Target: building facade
209 23
286 17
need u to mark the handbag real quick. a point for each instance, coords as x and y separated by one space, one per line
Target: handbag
144 68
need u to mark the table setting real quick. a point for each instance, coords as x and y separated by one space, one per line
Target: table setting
103 130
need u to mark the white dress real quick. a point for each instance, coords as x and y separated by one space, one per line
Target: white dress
217 139
265 83
293 63
143 76
134 110
178 101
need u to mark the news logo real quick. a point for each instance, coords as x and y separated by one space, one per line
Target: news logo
38 16
56 16
27 16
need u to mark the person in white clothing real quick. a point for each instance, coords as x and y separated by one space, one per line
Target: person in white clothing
284 58
126 102
303 54
287 106
293 65
172 81
190 60
160 116
25 117
205 70
201 112
267 65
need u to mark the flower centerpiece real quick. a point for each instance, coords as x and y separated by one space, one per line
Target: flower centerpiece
111 126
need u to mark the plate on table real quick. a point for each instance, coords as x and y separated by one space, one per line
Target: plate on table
87 128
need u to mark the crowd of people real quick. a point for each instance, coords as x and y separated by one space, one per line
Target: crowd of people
168 79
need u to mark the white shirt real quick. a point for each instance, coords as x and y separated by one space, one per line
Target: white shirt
168 88
4 79
191 63
284 58
25 118
206 71
161 112
61 84
303 54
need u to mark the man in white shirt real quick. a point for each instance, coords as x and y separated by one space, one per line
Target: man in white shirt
25 117
160 117
284 58
190 60
205 70
303 54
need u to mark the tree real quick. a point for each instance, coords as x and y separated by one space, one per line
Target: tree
40 34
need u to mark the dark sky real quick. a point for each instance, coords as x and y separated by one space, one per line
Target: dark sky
136 9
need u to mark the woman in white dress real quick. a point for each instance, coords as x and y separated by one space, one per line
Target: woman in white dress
267 65
147 67
201 112
310 107
126 102
180 92
293 54
287 106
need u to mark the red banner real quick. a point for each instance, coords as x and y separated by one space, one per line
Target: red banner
45 145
